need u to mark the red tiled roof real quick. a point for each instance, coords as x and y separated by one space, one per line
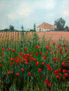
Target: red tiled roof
46 26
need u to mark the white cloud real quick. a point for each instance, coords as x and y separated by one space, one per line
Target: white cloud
46 4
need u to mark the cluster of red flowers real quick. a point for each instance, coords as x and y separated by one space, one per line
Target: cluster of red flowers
41 61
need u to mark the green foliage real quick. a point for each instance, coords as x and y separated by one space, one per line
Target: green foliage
60 23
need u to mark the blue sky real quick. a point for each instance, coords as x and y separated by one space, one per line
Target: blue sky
28 12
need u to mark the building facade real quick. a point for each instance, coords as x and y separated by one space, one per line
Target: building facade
45 27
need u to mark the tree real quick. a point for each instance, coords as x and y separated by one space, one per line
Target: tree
22 28
34 28
66 28
11 28
60 23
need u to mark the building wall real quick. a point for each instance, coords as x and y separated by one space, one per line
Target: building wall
43 30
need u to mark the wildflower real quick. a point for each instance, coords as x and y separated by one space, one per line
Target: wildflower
56 72
9 48
13 50
11 64
54 58
63 64
25 49
36 54
64 45
17 74
64 70
59 70
37 46
39 70
43 63
59 59
47 46
12 71
48 65
37 63
54 43
60 49
11 59
59 46
27 62
50 84
29 73
46 52
46 81
65 74
8 72
66 50
44 57
3 49
57 76
40 53
21 54
0 65
2 53
22 69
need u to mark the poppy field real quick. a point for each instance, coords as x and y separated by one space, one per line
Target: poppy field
34 65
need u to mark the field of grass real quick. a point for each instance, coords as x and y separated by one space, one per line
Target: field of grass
28 64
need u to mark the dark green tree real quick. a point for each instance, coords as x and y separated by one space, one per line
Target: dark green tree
34 28
67 28
22 28
60 23
11 28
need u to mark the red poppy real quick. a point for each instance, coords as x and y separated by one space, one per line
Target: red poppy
29 73
44 57
40 53
0 65
27 62
11 64
8 72
22 69
47 46
64 70
46 52
64 45
37 46
54 43
36 54
59 59
54 58
25 49
37 63
49 49
65 74
3 49
60 49
66 50
9 48
11 59
17 74
12 71
46 81
63 63
21 54
57 76
59 70
59 46
2 53
56 72
50 84
48 65
39 70
43 63
13 50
